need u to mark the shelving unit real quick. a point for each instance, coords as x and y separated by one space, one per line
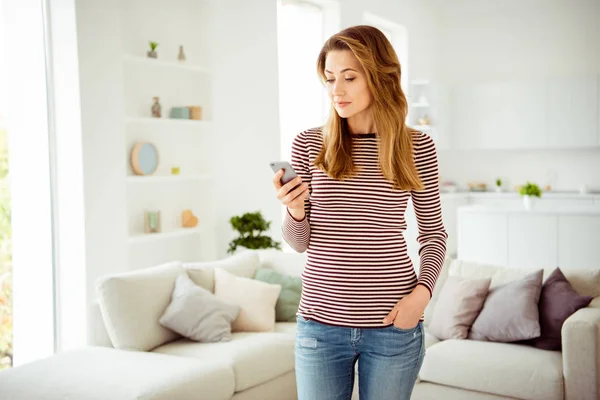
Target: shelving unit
180 142
158 63
174 234
174 122
167 178
421 99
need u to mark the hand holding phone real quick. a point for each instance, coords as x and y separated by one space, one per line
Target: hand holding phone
289 187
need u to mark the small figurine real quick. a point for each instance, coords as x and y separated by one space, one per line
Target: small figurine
424 120
156 108
188 219
181 55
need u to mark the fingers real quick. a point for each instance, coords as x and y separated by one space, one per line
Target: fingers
292 196
391 316
277 179
292 184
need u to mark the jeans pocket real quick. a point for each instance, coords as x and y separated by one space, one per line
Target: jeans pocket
408 330
300 318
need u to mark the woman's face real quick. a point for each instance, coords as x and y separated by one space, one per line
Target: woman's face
346 83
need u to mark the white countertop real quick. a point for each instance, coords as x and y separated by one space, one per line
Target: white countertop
511 195
592 210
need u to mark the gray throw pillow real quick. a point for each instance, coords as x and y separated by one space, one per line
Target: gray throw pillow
457 306
197 314
510 312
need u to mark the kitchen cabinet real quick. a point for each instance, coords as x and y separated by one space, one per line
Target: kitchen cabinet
579 240
568 238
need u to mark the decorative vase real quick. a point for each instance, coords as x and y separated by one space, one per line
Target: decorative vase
529 202
498 189
181 55
156 108
152 54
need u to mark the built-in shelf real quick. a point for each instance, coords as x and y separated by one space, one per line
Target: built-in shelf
167 121
422 127
157 62
166 178
176 233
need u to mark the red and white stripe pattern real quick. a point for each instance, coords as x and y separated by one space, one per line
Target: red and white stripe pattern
357 262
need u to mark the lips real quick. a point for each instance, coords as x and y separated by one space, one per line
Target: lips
343 104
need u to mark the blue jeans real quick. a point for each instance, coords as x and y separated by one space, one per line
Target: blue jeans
389 360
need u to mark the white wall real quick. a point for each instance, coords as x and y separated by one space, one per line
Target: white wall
246 111
104 164
489 41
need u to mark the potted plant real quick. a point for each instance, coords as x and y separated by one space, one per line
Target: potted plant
152 52
250 227
498 185
529 192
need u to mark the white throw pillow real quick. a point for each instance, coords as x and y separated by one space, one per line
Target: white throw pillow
132 303
198 314
256 299
202 273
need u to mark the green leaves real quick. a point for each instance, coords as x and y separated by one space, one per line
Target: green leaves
530 189
250 227
153 45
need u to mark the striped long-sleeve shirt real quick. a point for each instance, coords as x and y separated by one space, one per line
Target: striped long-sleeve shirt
357 264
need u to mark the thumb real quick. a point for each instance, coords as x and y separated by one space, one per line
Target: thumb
391 316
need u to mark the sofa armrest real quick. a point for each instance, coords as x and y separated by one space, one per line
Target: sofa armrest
581 353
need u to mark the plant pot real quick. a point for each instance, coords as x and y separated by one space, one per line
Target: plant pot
498 189
529 202
152 54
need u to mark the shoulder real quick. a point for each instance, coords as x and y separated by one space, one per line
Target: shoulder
422 143
309 138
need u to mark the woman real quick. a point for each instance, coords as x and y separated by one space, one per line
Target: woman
361 298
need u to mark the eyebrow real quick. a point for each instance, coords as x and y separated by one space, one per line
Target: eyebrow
344 70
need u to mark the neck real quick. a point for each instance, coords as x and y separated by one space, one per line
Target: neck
362 122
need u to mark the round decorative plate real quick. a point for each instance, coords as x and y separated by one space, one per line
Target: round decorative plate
144 158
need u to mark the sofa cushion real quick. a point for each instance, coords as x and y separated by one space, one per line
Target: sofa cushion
504 369
439 284
286 327
558 302
254 357
510 312
459 303
196 313
586 282
256 301
243 264
288 263
100 373
132 303
289 298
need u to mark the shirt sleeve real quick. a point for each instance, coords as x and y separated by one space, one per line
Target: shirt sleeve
297 233
428 210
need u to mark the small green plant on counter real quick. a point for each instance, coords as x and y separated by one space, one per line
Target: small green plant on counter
498 182
530 189
153 46
250 227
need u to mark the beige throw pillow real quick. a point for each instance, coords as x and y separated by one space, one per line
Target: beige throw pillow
459 303
256 300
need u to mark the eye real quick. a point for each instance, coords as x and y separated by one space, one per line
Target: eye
349 79
329 80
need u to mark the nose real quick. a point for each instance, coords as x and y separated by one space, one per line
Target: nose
337 90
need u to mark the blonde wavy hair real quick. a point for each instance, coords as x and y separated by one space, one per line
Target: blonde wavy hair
382 68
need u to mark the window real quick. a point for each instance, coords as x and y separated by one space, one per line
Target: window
301 95
398 35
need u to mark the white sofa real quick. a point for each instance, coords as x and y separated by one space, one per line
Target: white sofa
153 363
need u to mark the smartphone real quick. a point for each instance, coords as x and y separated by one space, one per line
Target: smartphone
288 171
